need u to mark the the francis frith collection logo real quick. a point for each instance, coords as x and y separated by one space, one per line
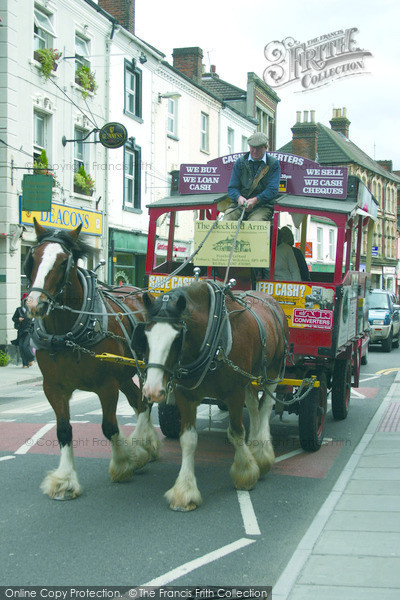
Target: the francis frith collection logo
314 63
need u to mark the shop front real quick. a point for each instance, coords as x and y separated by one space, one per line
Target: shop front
127 257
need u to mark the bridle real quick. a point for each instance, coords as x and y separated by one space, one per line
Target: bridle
28 270
161 317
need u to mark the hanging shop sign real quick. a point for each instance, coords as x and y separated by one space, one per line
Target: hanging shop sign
113 135
37 191
66 217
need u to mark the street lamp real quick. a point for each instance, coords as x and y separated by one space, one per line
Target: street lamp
172 95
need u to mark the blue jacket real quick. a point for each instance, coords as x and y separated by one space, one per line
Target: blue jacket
242 179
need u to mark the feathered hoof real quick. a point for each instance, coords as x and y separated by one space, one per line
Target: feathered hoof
265 457
182 500
122 469
61 488
245 479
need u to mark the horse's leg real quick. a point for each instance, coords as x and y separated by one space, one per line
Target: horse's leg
260 442
244 470
61 483
251 399
185 494
144 435
123 461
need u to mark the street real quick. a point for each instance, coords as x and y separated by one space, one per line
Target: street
125 534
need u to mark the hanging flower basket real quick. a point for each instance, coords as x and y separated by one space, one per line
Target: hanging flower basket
86 79
83 182
48 58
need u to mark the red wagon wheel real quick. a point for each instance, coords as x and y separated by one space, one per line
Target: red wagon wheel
341 388
312 412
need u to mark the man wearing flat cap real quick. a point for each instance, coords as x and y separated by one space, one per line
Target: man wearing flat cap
254 183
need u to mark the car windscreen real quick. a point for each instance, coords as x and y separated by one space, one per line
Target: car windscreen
378 301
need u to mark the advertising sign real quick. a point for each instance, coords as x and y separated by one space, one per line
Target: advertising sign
299 176
251 248
66 217
113 135
305 305
158 284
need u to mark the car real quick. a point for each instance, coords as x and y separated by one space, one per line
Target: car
384 319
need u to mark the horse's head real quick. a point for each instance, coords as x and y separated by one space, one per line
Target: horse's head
161 340
48 266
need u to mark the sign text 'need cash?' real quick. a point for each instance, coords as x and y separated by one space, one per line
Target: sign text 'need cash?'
299 176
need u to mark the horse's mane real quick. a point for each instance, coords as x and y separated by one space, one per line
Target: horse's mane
77 247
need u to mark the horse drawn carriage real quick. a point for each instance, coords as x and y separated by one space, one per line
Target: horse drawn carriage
205 331
327 315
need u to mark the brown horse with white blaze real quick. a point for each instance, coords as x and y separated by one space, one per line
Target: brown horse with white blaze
75 319
200 351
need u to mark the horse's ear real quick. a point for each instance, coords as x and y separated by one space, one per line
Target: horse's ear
75 232
148 300
38 228
181 303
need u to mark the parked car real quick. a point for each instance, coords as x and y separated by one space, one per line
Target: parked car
384 319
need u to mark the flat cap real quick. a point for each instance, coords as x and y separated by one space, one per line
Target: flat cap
258 139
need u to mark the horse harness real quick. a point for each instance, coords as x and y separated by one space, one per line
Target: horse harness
217 341
91 324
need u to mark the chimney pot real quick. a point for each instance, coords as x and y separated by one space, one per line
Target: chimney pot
298 116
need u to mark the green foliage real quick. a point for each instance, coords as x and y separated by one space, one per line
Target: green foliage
48 58
86 79
84 181
4 358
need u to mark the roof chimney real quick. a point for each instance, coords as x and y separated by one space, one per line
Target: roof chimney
305 136
340 122
122 10
189 62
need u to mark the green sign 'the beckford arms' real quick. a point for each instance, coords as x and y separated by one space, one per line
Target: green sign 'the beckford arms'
37 191
113 135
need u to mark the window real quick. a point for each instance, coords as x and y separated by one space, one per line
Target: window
320 239
204 132
331 244
82 52
80 153
231 140
43 31
132 183
172 117
133 89
244 144
39 134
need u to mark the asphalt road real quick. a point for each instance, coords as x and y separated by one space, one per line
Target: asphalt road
125 534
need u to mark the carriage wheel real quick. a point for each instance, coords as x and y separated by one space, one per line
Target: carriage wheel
341 388
312 413
169 418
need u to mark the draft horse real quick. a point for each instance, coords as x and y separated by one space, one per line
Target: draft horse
74 320
203 341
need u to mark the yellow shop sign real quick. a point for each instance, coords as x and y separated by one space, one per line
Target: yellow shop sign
66 217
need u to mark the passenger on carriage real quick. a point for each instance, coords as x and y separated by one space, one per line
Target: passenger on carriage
286 235
254 183
286 268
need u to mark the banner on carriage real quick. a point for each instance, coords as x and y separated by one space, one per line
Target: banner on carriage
251 248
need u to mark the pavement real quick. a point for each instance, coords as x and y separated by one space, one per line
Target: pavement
351 551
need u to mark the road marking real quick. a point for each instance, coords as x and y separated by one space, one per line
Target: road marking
32 441
248 515
192 565
6 457
289 455
357 394
388 371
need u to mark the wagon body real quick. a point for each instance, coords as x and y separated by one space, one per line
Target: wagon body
327 316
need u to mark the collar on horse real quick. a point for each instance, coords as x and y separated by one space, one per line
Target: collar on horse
87 329
217 341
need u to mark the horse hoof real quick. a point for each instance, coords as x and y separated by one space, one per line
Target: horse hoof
68 495
190 506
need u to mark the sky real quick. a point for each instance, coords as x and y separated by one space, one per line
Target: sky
234 34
